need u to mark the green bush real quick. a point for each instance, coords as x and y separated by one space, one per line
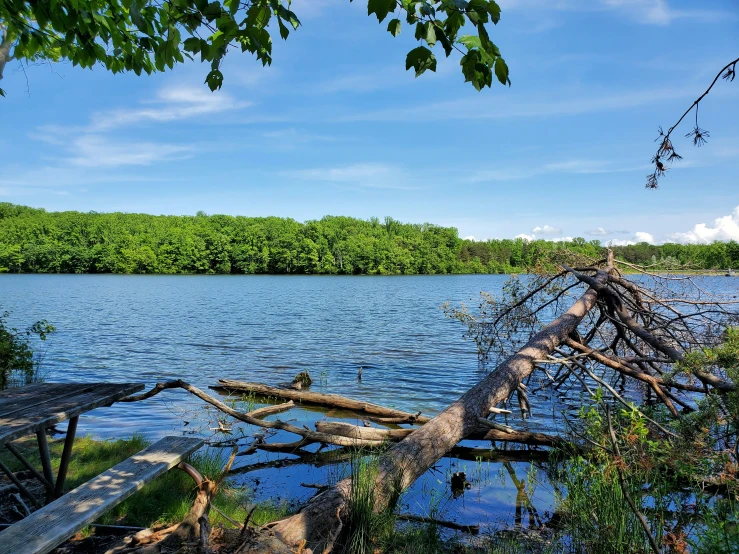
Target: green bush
18 365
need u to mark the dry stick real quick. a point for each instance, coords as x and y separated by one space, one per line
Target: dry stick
637 513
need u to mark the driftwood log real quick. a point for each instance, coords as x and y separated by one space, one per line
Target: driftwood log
318 399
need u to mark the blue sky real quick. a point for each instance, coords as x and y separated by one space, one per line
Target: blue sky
337 126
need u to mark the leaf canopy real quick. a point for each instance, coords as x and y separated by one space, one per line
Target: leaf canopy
147 36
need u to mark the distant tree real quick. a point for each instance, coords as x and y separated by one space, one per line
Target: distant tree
147 36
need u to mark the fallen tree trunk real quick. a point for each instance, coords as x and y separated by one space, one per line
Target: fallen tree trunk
318 524
320 399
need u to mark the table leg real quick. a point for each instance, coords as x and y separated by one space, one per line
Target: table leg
18 484
66 455
29 466
43 448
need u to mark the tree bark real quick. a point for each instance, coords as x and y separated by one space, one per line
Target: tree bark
316 524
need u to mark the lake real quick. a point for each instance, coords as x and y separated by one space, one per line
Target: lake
267 329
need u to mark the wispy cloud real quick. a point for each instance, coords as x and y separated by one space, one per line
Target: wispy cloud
98 151
374 175
171 104
603 232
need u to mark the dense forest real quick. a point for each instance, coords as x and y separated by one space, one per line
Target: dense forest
36 241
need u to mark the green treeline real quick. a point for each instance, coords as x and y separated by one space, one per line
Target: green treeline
36 241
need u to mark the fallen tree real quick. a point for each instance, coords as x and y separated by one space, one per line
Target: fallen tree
318 524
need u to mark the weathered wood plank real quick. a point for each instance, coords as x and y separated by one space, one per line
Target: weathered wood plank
49 393
27 421
48 527
15 398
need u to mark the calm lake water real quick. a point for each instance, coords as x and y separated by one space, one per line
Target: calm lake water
267 329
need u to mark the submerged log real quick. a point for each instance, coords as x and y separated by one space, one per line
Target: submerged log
317 399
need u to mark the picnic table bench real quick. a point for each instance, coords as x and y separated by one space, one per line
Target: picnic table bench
47 528
34 409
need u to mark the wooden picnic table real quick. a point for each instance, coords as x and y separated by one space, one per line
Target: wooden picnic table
35 408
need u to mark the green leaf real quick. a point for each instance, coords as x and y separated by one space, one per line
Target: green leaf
214 79
444 40
394 27
494 11
475 71
284 31
501 71
2 92
470 41
212 11
136 18
420 59
380 8
192 44
430 36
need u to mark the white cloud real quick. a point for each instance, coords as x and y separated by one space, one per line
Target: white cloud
724 228
97 151
602 232
528 238
639 236
171 104
290 138
589 167
546 230
374 175
470 237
